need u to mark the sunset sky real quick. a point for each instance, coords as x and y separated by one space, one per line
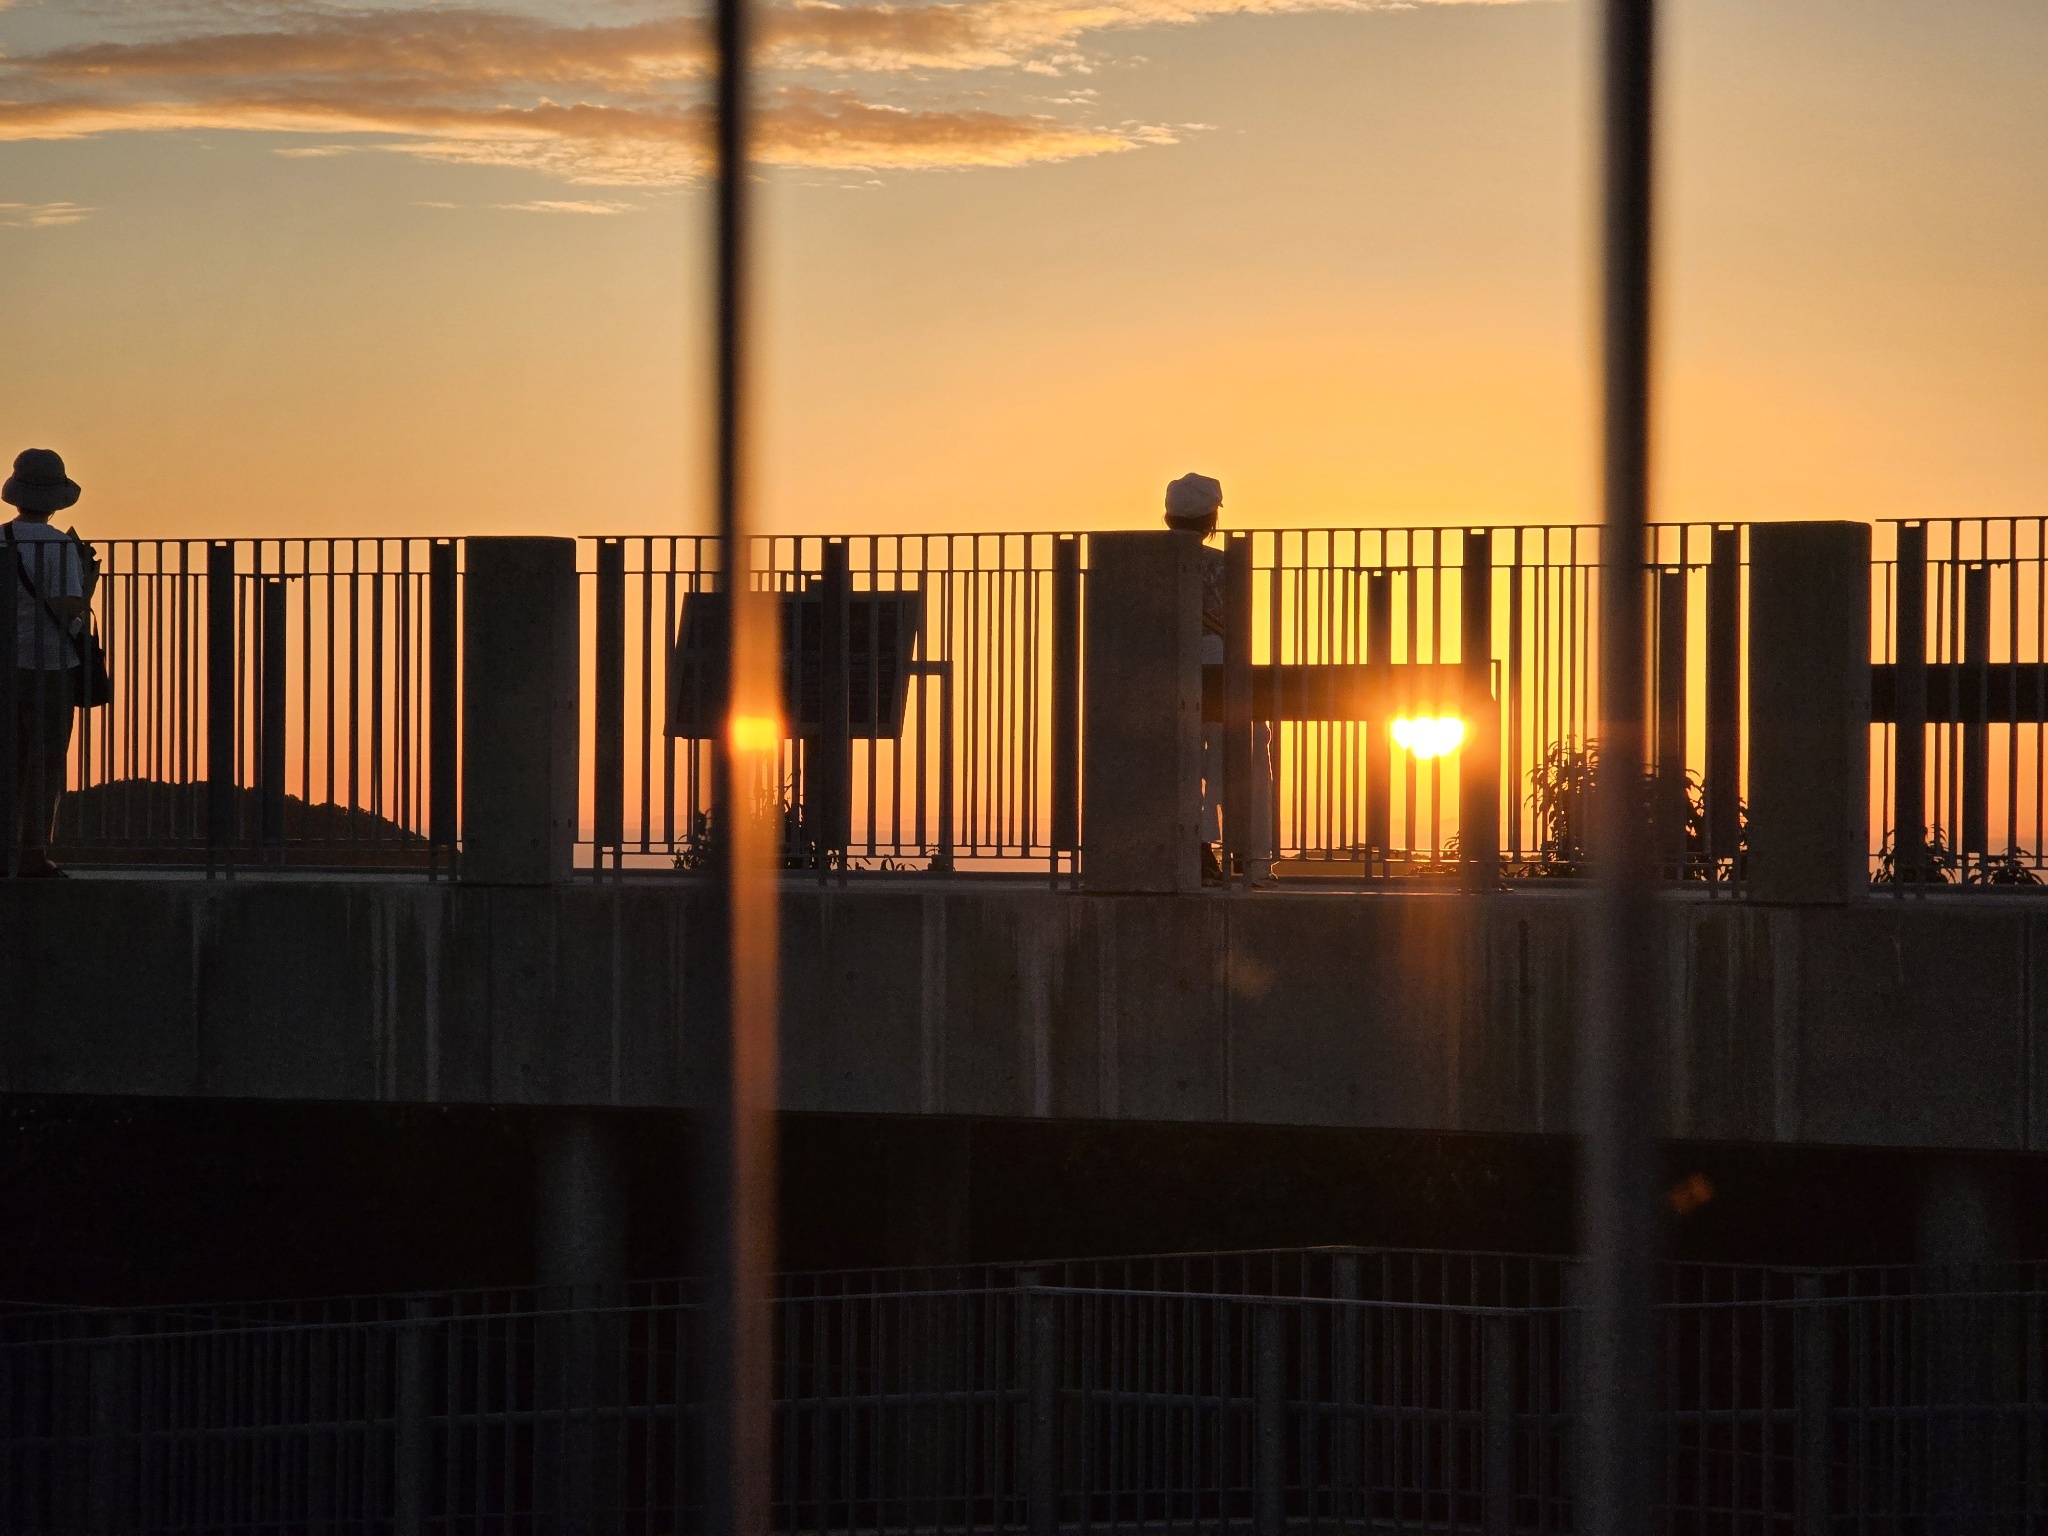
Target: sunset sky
286 266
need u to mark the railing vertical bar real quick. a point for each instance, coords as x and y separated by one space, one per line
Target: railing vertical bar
1479 787
1724 694
378 787
221 598
2011 847
608 713
1066 701
668 683
644 755
831 778
444 665
1976 715
270 723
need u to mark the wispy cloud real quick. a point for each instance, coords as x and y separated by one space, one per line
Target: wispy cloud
548 205
600 105
40 215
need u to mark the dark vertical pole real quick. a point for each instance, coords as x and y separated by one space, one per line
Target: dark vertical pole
111 1459
608 751
1671 797
220 700
11 789
1497 1417
443 653
1238 788
409 1452
1724 693
1379 777
1042 1412
1622 1110
1976 712
1350 1388
270 674
1066 699
1269 1419
1909 706
833 782
321 1415
738 1207
1812 1342
1479 760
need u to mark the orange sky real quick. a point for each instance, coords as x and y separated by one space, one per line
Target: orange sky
279 266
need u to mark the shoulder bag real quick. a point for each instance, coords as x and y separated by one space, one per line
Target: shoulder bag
91 684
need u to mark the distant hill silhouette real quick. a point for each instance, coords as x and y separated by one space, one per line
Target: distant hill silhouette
147 821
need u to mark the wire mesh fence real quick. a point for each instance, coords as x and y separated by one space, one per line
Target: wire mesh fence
1331 1389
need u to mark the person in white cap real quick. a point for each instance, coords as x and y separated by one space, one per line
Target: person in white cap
1193 505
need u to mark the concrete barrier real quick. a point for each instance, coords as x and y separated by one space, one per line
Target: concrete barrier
1909 1024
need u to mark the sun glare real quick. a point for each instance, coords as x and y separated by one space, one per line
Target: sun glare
756 734
1427 737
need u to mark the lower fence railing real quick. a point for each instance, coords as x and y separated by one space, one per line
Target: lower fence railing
1792 1402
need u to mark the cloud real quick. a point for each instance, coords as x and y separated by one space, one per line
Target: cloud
377 49
595 104
550 206
40 215
477 46
617 146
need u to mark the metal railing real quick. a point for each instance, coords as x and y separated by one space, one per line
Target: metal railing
1335 1389
1499 625
1960 611
297 701
962 667
274 701
946 753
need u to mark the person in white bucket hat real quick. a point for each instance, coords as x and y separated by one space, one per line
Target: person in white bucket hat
52 591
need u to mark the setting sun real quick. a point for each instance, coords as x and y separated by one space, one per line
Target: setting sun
1429 737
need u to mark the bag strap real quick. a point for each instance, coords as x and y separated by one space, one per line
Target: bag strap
21 572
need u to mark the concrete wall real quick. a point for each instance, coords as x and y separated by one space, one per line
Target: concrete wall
1911 1023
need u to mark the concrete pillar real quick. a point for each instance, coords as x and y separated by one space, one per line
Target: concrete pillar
519 711
579 1233
1142 717
1809 711
1963 1213
579 1218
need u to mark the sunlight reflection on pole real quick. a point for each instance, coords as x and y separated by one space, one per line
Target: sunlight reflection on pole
1622 1105
738 1207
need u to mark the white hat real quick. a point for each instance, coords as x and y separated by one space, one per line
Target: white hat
1192 500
